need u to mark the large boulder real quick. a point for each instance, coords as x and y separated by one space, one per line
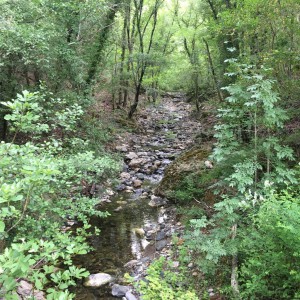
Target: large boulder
192 161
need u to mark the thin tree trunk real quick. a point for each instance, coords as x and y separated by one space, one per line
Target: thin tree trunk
136 101
234 266
123 52
212 69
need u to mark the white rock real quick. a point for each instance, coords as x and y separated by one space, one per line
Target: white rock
97 280
208 164
175 264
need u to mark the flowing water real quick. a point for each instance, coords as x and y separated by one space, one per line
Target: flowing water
166 132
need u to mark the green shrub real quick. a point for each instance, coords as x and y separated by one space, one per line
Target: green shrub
40 190
164 283
270 250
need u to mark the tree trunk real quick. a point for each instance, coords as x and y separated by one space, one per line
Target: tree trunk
123 52
212 69
103 35
136 101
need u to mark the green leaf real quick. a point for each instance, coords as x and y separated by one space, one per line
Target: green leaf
2 226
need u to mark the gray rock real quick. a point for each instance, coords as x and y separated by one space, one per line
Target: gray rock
131 155
140 176
26 290
121 148
119 290
121 187
175 264
131 263
97 280
161 245
156 201
130 296
160 235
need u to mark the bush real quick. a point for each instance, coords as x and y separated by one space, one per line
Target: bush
271 250
164 283
39 193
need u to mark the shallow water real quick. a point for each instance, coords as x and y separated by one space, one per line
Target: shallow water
117 242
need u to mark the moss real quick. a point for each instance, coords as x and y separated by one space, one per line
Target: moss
182 172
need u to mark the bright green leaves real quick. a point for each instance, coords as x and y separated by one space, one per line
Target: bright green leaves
16 264
271 249
39 113
250 120
25 113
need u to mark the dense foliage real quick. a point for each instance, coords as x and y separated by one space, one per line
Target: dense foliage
58 57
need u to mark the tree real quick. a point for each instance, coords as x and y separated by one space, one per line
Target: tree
144 46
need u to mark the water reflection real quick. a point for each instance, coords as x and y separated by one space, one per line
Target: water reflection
117 243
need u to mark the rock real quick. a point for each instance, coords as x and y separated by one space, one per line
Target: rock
188 163
156 201
130 296
140 176
121 202
161 244
119 290
125 175
122 148
97 280
139 231
26 291
131 263
137 183
121 187
157 163
160 235
110 192
118 209
136 162
142 153
208 164
131 155
175 264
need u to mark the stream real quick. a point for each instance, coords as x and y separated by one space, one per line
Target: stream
140 225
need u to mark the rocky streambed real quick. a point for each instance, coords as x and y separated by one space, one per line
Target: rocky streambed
141 224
